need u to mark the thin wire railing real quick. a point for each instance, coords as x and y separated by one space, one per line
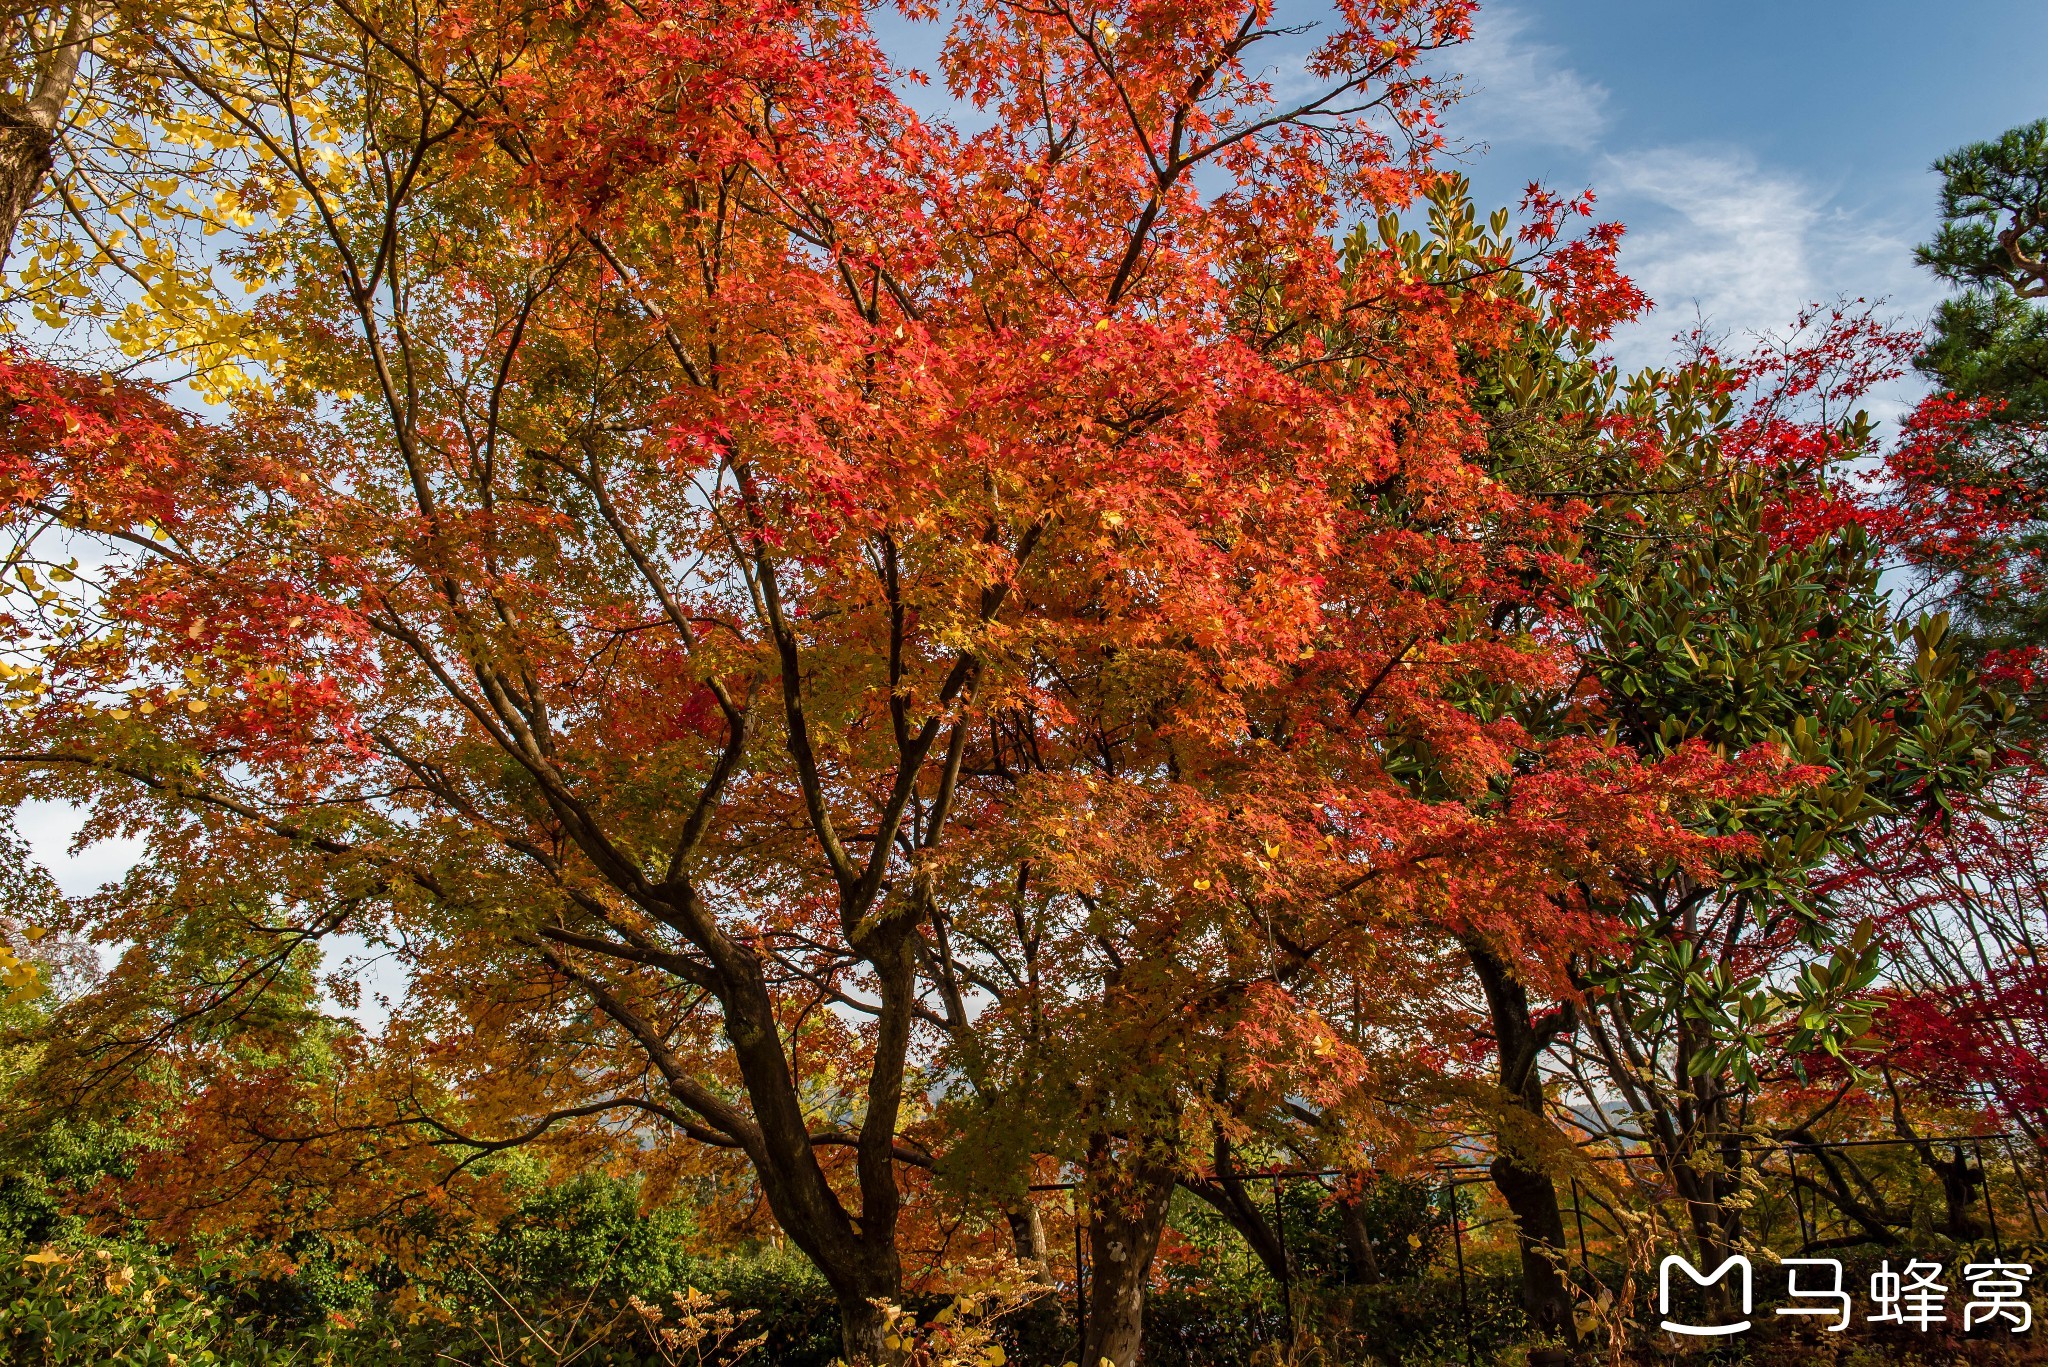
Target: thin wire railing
1450 1176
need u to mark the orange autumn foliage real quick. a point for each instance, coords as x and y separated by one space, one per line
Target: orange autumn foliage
769 606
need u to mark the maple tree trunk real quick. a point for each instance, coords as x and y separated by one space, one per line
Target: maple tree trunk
1228 1196
861 1266
1530 1193
862 1328
1127 1217
1959 1183
1539 1223
856 1253
860 1263
1365 1260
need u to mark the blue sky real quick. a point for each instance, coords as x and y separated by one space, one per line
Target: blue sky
1762 155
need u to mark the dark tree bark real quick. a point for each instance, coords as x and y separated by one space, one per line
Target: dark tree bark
1365 1260
1530 1193
1227 1194
1960 1183
28 125
26 156
856 1255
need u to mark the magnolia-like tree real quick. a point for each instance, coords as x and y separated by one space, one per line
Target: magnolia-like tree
1739 608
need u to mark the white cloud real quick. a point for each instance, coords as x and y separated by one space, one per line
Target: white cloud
1522 91
1717 237
1723 234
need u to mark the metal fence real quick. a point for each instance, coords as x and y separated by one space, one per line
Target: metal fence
1798 1200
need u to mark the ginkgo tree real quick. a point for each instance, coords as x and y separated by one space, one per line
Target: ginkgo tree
117 182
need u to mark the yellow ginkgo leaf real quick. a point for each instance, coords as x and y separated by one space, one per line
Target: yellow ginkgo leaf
1201 885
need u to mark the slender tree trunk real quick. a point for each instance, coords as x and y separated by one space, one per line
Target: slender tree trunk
1365 1260
1959 1185
1530 1193
1027 1229
1127 1214
1226 1192
1959 1182
860 1261
856 1255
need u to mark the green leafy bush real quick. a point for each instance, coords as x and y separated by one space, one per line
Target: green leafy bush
101 1307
